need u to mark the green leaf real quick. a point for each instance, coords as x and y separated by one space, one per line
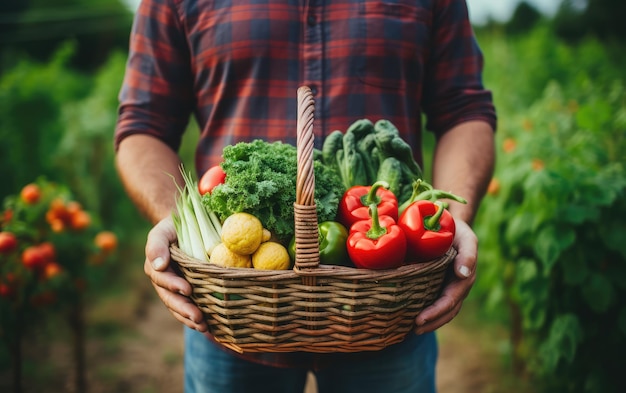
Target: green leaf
551 242
578 214
562 341
595 116
533 293
519 226
526 270
598 292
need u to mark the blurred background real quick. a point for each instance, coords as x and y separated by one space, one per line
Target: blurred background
548 310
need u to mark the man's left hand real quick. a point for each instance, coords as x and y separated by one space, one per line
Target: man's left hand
449 303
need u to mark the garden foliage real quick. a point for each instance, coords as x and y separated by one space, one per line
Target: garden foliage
552 227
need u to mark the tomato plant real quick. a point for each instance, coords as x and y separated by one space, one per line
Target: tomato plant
47 243
552 234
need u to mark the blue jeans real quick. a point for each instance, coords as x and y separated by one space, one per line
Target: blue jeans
405 367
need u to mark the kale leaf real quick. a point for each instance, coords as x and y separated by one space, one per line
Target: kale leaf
261 180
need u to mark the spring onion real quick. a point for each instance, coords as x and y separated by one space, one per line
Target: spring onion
197 228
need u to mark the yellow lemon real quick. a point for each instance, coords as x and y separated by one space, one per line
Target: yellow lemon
224 257
242 233
271 256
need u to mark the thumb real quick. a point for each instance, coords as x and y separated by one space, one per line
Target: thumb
158 244
466 244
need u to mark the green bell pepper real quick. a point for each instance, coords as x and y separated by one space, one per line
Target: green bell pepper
332 240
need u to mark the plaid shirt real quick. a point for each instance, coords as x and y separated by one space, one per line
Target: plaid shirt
236 66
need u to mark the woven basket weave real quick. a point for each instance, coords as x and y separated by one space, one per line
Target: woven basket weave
314 307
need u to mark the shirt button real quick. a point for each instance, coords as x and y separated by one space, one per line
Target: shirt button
313 89
310 20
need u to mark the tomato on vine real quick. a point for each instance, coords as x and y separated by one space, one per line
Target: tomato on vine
33 257
106 241
8 242
31 193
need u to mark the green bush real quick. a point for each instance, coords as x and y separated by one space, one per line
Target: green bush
552 227
58 123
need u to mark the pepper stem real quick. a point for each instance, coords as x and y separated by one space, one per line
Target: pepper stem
430 194
371 196
376 230
432 222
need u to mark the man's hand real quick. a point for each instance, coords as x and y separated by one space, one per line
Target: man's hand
457 289
172 289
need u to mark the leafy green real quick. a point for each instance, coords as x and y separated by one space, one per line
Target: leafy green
261 180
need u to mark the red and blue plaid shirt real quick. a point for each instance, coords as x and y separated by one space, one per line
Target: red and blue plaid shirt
236 66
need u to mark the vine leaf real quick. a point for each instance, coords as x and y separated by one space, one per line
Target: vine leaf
551 243
562 342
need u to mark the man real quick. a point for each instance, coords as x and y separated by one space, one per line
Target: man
236 67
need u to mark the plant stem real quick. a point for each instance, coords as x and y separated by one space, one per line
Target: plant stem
77 324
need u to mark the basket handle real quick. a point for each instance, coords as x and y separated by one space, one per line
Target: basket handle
305 213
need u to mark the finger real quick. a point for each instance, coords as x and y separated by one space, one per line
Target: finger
183 309
167 279
444 309
443 319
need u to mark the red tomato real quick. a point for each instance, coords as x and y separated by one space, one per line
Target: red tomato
47 250
51 270
80 220
106 241
8 242
30 193
211 178
33 257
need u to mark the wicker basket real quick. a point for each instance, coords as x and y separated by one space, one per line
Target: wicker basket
314 307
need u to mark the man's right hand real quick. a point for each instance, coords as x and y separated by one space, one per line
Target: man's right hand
173 290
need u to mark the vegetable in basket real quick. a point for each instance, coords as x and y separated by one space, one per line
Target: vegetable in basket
198 228
210 179
369 152
332 244
429 229
261 180
376 246
355 203
428 225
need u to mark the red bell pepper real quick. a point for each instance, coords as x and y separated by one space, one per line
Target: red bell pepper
376 247
366 225
429 229
355 203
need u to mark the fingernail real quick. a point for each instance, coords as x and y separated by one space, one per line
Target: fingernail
157 263
464 271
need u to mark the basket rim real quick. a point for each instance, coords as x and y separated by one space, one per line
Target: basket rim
199 266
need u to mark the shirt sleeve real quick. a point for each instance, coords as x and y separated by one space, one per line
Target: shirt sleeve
156 95
453 89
